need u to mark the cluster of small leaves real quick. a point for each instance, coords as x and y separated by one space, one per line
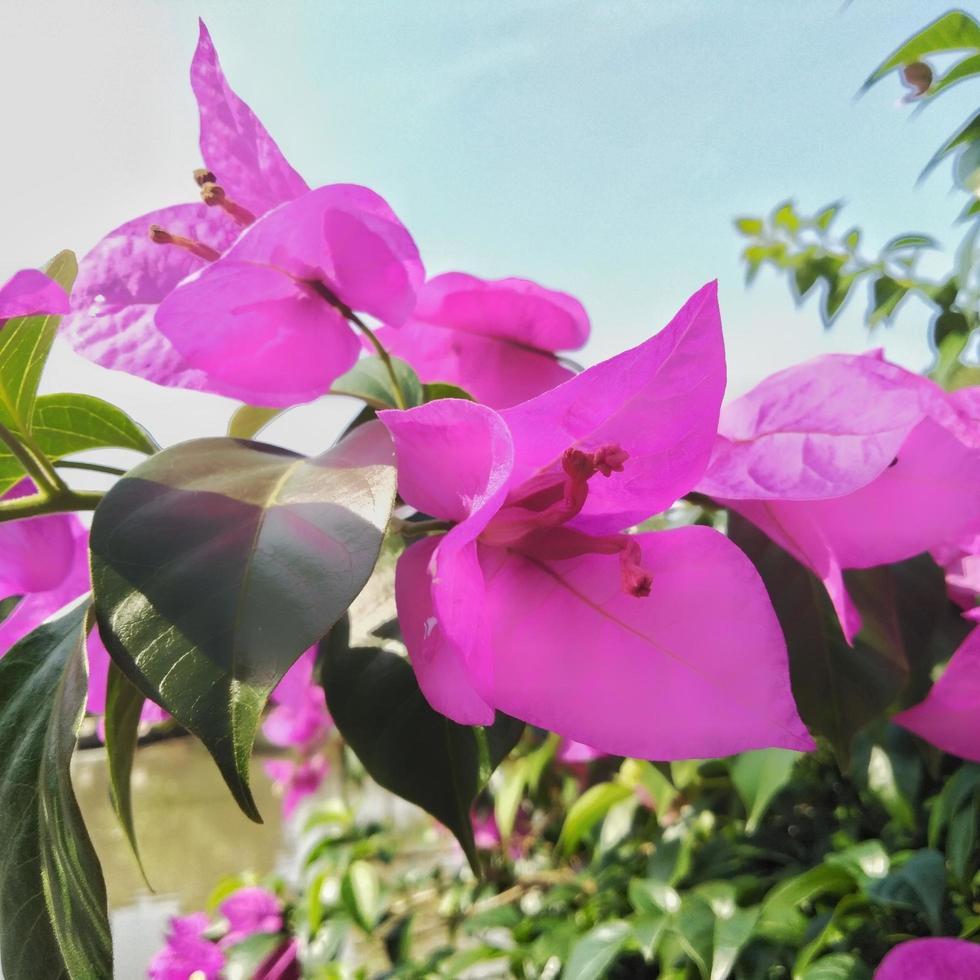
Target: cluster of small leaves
766 865
814 258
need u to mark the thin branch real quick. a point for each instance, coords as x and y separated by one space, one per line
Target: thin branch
68 464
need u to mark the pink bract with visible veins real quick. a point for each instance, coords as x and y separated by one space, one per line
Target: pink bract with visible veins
29 292
538 604
497 339
849 462
122 280
264 322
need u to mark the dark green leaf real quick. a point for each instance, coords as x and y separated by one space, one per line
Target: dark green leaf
838 289
838 688
53 917
370 381
694 927
955 30
780 918
217 562
836 966
25 343
758 777
886 295
441 389
249 420
596 951
919 884
404 745
805 276
967 68
123 705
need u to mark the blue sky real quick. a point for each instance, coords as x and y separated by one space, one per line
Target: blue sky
598 147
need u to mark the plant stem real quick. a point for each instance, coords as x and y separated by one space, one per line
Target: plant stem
40 504
382 353
94 467
34 462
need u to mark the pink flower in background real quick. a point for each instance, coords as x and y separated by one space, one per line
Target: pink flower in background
250 910
850 462
187 953
962 565
29 292
44 561
496 339
575 753
949 716
486 834
931 959
299 717
296 780
127 274
659 645
267 321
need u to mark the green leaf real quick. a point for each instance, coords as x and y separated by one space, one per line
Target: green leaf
961 839
25 343
360 891
650 895
838 289
123 706
648 930
824 218
662 792
969 132
953 31
249 420
217 562
406 746
53 917
758 777
886 295
902 242
588 810
780 919
441 389
967 68
836 966
805 277
64 424
838 688
866 862
919 884
596 951
852 239
960 791
785 217
369 381
749 226
694 927
732 931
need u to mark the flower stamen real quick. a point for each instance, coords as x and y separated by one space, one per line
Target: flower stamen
214 196
163 237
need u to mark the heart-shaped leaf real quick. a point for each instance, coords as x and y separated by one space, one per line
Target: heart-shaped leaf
404 744
217 562
53 917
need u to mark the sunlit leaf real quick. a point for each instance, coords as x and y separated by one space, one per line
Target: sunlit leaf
217 562
370 381
249 420
596 951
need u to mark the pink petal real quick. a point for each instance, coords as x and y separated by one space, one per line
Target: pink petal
123 279
294 687
659 402
250 910
494 371
949 717
665 677
511 309
38 553
257 334
98 673
234 144
931 959
187 951
572 752
454 458
346 236
28 292
816 430
438 665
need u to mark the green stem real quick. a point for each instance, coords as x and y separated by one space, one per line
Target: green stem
94 467
382 353
35 464
40 504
